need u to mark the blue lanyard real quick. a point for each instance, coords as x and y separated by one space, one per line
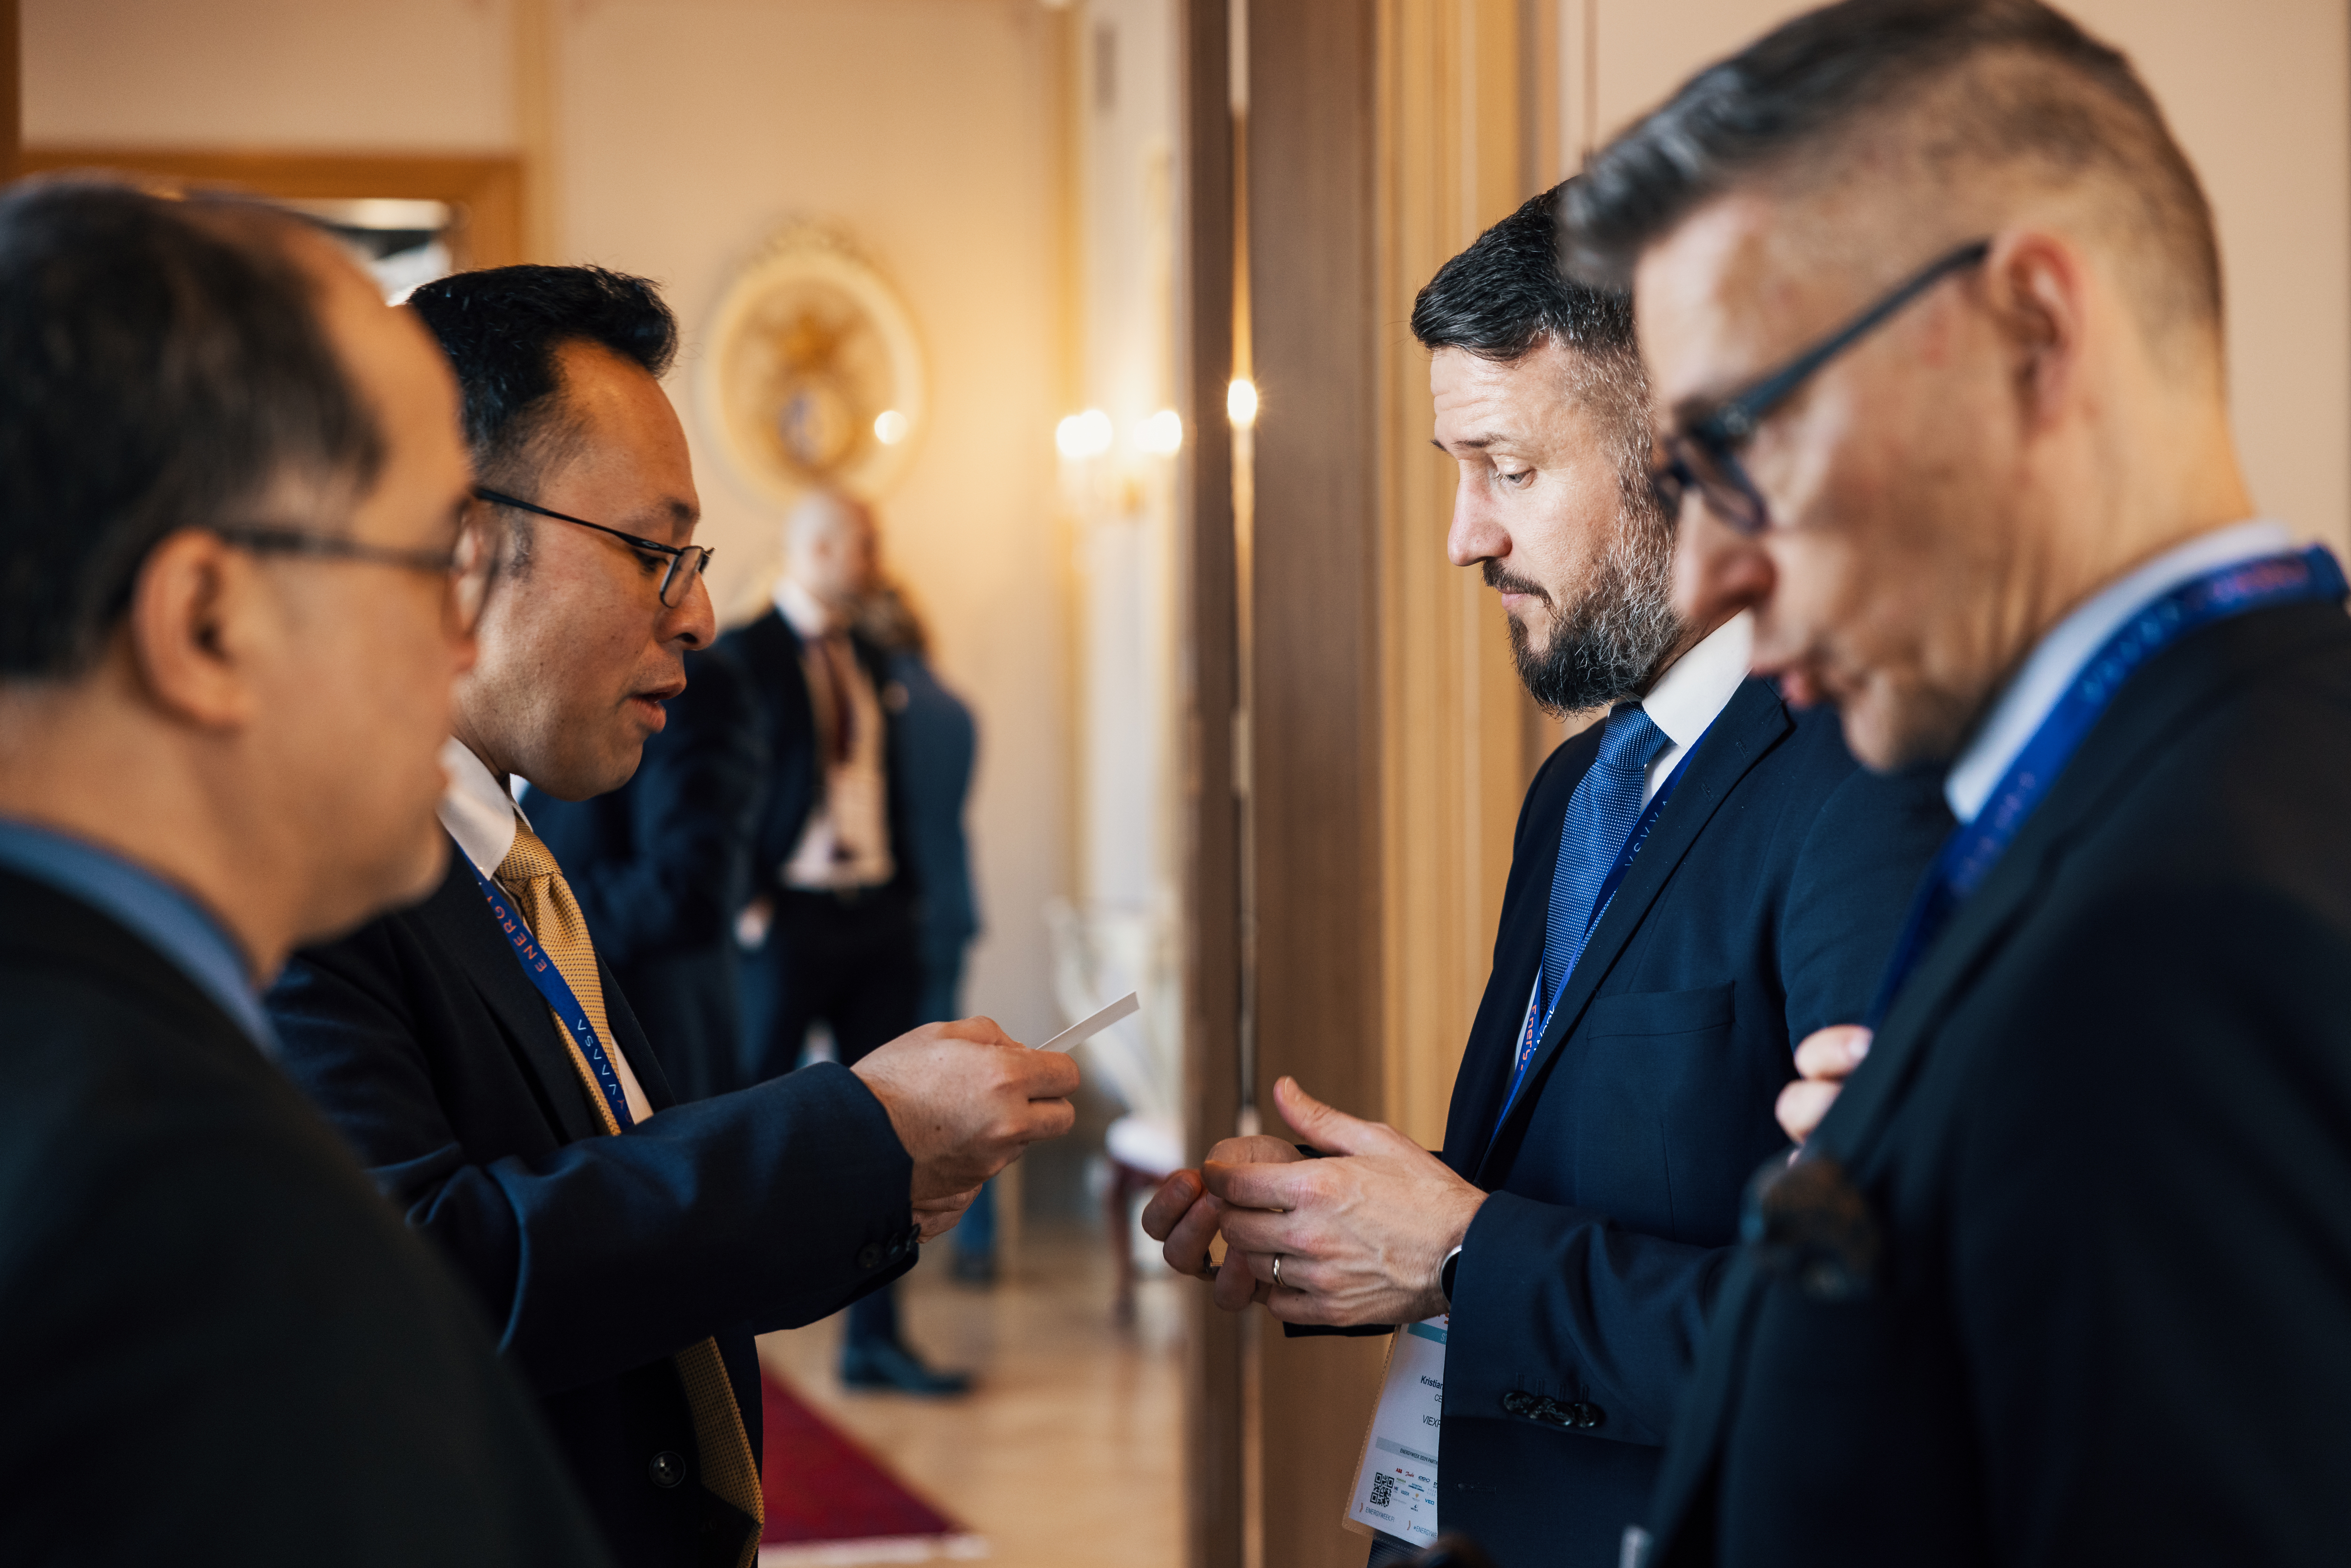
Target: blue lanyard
1538 1015
551 984
1968 855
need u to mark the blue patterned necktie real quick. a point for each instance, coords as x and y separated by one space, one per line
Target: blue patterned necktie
1600 817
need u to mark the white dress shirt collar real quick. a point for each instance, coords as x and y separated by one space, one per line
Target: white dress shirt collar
2051 667
1698 686
477 811
1694 689
809 615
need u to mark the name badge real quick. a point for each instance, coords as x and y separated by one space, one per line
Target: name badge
1395 1480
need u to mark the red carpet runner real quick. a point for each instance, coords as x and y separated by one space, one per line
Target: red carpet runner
829 1502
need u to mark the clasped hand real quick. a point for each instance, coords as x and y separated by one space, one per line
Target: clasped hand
1361 1234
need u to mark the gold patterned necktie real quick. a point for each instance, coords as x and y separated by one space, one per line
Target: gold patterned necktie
544 900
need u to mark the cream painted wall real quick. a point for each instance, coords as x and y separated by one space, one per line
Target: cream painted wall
684 131
1124 499
2258 92
421 75
690 128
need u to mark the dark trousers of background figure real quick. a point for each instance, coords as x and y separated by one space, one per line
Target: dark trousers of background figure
852 963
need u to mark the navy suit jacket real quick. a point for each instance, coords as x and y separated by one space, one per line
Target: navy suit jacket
937 744
220 1345
768 651
1762 907
597 1257
661 864
2101 1150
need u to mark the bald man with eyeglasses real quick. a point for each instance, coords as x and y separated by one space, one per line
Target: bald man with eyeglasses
475 1048
231 608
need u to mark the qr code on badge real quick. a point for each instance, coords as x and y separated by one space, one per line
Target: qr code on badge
1383 1490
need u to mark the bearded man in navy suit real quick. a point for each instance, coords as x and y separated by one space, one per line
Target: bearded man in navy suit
1699 881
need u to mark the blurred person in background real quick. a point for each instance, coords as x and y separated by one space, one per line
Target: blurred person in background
231 611
938 744
831 931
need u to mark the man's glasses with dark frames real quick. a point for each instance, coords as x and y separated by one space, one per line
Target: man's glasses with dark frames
1703 456
465 566
685 561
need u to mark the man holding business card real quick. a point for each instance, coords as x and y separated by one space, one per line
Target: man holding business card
475 1049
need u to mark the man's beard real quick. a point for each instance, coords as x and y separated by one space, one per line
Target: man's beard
1605 646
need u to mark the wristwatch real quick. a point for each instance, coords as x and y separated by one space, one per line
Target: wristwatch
1445 1277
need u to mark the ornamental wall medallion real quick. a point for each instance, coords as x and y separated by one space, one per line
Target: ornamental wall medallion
812 374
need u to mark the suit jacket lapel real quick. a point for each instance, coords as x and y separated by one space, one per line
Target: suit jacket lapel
629 1034
1750 725
1518 952
2147 716
460 916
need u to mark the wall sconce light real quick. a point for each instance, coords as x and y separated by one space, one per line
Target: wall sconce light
1162 433
889 427
1240 403
1083 436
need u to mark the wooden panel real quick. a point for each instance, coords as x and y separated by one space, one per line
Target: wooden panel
1215 1411
1387 735
12 89
1315 331
1457 737
489 190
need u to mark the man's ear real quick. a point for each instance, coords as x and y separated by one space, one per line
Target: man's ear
2038 285
193 629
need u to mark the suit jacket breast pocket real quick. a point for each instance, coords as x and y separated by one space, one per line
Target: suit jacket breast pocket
1647 1106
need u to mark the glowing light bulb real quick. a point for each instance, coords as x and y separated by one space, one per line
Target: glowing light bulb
1083 436
890 427
1163 433
1240 403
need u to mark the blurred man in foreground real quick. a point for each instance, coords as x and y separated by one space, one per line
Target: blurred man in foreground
1698 880
229 490
1931 303
478 1054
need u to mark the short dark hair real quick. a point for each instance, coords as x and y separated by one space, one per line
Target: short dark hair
501 326
2034 90
1505 297
166 368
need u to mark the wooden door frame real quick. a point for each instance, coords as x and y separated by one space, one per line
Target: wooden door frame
1353 688
487 190
1215 1416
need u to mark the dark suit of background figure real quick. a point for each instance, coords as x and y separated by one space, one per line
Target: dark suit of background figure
221 1345
937 744
597 1257
661 865
2104 1138
1761 908
850 960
